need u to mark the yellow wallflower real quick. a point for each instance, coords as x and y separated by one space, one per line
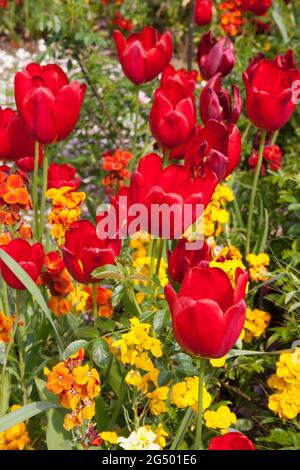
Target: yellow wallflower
16 437
110 437
218 362
222 418
229 266
157 400
162 435
78 298
139 244
142 264
185 394
256 324
216 215
258 266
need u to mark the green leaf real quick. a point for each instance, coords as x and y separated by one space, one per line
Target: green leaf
264 236
73 347
108 271
159 320
118 294
100 353
280 24
4 393
44 394
34 291
57 438
24 413
87 332
102 417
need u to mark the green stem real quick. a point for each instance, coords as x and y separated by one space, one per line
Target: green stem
119 403
182 429
95 306
154 242
295 12
254 189
198 441
34 187
246 132
161 244
43 199
5 298
190 45
275 137
136 126
132 297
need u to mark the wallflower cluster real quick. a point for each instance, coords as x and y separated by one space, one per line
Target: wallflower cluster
66 209
231 18
258 266
116 164
216 215
6 323
229 259
257 321
222 418
14 195
286 381
185 394
16 437
76 386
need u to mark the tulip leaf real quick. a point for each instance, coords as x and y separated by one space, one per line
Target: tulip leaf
25 413
244 352
4 393
108 271
34 291
280 25
73 347
57 438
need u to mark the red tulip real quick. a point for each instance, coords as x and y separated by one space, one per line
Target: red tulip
208 150
29 257
215 56
183 77
231 441
258 7
62 175
208 315
269 90
151 184
272 158
184 257
216 102
48 104
145 55
15 142
203 12
173 115
84 251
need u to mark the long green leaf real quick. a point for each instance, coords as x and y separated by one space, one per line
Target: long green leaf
34 291
24 413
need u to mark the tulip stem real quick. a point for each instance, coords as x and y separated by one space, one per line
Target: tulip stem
136 125
5 297
190 44
275 137
246 131
198 441
95 306
295 12
34 187
161 244
182 429
43 199
154 242
254 189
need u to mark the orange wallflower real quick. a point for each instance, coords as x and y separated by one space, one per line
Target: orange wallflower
14 195
6 323
16 437
104 297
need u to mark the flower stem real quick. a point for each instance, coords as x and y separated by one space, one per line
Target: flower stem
275 137
246 131
34 186
154 242
198 441
95 306
254 189
182 429
132 298
136 125
161 244
43 199
5 298
190 45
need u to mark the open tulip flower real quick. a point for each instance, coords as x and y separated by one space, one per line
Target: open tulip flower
269 90
203 12
84 251
173 115
48 104
215 56
187 79
231 441
144 55
258 7
208 314
29 257
152 184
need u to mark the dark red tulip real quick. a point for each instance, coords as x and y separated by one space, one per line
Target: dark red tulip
84 251
269 90
184 257
48 104
151 184
216 102
203 12
183 77
62 175
215 56
173 115
208 150
208 315
231 441
272 159
258 7
144 55
15 142
29 257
